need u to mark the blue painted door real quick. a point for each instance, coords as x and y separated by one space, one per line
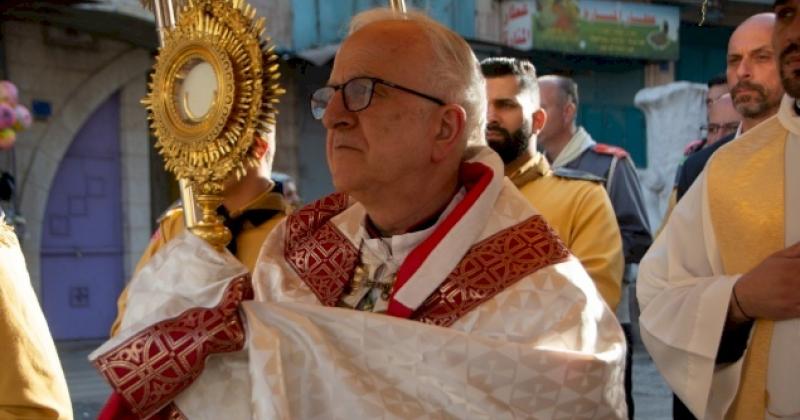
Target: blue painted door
82 272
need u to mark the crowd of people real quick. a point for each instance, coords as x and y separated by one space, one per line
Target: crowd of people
471 263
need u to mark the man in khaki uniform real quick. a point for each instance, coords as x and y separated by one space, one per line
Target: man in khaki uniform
258 205
32 384
574 203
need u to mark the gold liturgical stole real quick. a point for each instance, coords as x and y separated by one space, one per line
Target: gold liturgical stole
746 200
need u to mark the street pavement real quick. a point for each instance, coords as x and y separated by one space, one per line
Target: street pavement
89 391
86 388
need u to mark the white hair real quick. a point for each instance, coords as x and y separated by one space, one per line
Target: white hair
456 71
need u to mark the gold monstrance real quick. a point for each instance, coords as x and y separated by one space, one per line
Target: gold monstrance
213 88
398 5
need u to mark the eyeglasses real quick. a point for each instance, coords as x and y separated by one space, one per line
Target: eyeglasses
728 127
357 95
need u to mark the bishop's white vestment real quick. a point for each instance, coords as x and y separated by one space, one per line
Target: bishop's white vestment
484 314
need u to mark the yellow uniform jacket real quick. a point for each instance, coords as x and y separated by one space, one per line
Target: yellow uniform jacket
248 240
581 213
32 384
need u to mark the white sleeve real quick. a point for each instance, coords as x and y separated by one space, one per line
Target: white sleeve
684 296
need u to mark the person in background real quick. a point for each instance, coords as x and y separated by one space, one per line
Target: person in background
573 202
719 289
400 296
251 208
568 145
287 186
754 85
723 119
717 86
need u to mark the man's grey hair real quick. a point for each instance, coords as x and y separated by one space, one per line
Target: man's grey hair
456 72
567 89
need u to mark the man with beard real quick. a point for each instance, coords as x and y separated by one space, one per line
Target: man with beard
755 88
719 289
573 202
426 287
752 72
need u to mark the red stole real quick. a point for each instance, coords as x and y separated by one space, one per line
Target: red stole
325 261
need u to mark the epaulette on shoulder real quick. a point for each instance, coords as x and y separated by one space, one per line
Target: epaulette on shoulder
170 211
607 149
568 173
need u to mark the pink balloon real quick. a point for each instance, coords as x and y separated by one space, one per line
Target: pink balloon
8 93
7 138
24 119
7 116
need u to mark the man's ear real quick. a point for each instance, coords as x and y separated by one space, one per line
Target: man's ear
539 120
452 121
570 112
260 147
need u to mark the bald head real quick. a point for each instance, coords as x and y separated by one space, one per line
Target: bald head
395 132
445 63
757 22
752 71
392 40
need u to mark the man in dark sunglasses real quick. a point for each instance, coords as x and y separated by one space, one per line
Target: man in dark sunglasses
427 286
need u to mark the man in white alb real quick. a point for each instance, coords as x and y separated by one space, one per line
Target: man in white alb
427 287
720 288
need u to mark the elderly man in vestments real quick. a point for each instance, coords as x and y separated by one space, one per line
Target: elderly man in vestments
32 384
720 290
427 287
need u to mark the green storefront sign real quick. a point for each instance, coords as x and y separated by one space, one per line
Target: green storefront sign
596 27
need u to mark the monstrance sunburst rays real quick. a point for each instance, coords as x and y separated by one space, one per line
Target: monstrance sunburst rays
229 30
227 35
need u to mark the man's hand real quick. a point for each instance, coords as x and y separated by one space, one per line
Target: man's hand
771 290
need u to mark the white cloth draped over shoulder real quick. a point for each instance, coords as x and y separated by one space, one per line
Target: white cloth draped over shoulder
489 317
578 144
684 295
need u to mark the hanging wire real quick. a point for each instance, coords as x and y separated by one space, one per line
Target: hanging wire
703 11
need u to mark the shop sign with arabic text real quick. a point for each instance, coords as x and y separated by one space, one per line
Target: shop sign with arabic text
593 27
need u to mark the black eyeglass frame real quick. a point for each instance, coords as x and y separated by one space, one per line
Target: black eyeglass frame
729 126
374 80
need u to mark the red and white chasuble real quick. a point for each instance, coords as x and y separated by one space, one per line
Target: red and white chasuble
488 316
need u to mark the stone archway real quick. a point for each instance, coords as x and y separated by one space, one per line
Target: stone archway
126 73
